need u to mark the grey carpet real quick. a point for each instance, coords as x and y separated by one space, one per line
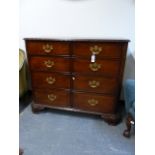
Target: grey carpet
55 132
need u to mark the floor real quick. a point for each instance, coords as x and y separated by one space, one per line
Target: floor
55 132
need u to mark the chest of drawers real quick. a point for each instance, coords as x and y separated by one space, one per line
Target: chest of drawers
77 75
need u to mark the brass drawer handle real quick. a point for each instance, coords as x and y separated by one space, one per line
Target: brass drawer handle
94 66
47 48
93 84
50 80
49 63
51 97
95 49
92 102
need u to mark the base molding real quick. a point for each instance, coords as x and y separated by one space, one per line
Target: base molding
111 119
36 108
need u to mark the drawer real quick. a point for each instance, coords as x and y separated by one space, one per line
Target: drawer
94 103
49 64
47 48
110 50
50 80
96 84
105 67
52 97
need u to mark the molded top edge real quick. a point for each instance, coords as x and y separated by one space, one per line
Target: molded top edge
72 40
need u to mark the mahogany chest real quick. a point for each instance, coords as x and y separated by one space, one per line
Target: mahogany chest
77 75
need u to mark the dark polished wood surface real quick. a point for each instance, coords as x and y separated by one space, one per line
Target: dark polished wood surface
109 50
50 80
52 97
49 64
64 76
39 48
96 84
122 40
94 102
105 67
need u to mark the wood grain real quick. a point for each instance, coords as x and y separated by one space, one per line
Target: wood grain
74 81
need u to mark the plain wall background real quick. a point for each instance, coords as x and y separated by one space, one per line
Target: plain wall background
80 19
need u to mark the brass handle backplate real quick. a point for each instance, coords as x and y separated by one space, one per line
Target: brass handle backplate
50 80
47 48
94 66
95 49
93 84
51 97
49 63
92 102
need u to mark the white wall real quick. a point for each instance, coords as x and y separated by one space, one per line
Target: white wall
78 19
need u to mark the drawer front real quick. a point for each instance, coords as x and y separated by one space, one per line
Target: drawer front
110 50
52 98
49 64
47 48
96 84
105 67
94 103
50 80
